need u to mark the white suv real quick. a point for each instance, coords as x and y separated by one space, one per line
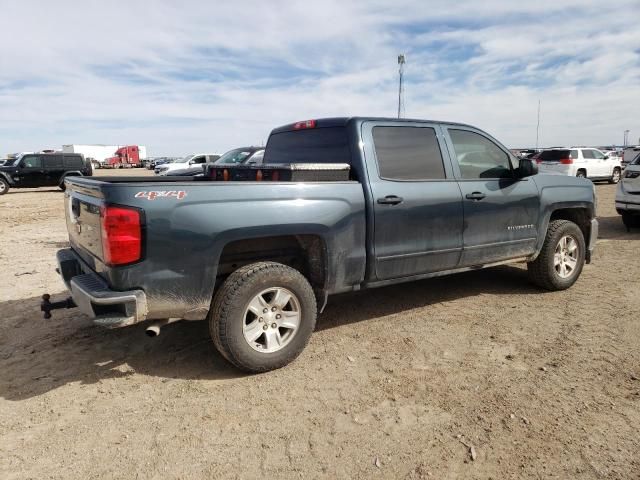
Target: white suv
579 162
196 160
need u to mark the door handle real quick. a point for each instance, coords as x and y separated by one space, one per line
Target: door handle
390 200
475 196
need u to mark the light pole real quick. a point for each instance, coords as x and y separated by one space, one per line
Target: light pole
626 138
401 62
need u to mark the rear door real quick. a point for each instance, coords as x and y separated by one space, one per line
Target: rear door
53 168
417 203
500 210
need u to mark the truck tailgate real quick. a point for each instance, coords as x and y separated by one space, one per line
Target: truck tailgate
82 212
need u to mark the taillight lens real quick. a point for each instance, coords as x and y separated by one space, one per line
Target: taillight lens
566 161
304 124
121 235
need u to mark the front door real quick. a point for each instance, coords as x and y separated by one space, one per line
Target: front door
30 172
500 210
416 201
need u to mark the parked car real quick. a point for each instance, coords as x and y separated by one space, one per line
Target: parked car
590 163
242 156
237 156
628 195
42 170
629 155
258 259
198 160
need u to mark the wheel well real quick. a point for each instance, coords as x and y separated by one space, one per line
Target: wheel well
579 216
305 253
582 170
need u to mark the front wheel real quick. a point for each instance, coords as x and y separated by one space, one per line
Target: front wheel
561 259
263 316
615 176
4 186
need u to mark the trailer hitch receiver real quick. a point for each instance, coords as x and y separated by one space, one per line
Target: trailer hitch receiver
46 305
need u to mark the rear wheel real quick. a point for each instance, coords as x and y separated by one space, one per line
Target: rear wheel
630 221
561 259
263 316
615 176
581 174
4 186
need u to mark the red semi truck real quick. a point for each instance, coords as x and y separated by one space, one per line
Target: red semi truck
125 157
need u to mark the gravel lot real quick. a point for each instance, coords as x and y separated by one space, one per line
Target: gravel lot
409 381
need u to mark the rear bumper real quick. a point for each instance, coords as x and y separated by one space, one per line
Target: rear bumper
627 207
93 296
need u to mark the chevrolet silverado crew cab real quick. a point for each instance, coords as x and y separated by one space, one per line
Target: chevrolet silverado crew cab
42 170
258 258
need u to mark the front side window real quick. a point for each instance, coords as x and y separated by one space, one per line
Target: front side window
408 153
588 154
199 160
597 154
31 161
478 157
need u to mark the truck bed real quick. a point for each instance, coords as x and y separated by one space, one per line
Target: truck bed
190 225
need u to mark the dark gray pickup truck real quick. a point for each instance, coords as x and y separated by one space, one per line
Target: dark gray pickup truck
258 259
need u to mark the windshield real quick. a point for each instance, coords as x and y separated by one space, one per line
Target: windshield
238 155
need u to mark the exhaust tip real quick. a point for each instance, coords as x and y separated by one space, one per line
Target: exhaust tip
152 331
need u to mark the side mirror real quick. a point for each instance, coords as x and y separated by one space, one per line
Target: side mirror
527 167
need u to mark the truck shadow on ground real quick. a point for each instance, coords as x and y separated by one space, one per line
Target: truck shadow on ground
39 355
612 228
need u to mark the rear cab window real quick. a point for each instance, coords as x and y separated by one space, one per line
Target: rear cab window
312 145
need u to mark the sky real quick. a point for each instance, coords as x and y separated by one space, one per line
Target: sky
202 77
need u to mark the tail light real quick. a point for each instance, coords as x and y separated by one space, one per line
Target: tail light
566 161
121 235
304 124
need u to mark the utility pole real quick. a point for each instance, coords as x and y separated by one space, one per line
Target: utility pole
401 62
538 125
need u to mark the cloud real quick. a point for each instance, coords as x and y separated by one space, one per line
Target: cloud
193 76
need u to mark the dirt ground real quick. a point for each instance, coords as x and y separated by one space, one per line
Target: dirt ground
399 382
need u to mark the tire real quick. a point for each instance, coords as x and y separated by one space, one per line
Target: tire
231 316
544 272
630 221
4 186
581 174
615 177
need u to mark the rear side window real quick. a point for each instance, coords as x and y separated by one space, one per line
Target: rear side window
53 161
72 161
313 145
478 157
408 153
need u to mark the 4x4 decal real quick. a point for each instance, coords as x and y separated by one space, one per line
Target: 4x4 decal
177 194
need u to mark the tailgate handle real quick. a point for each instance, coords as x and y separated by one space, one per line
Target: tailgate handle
75 207
475 196
390 200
